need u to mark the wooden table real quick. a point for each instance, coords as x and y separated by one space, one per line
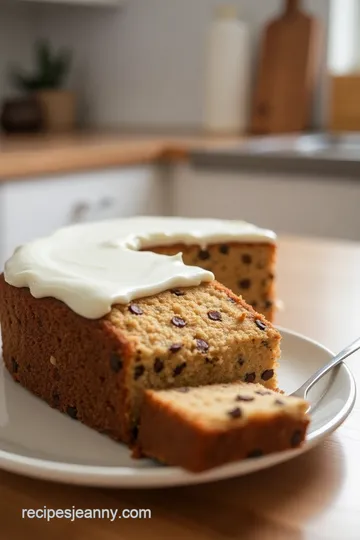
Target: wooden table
316 496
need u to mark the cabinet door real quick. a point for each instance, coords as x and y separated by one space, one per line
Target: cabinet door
35 208
287 203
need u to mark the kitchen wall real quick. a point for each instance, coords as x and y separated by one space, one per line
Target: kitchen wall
139 64
142 64
17 31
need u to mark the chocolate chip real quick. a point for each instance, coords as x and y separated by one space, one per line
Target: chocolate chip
158 365
116 363
263 392
203 254
250 377
271 276
224 249
183 389
255 453
177 292
134 433
214 315
178 321
211 361
138 371
253 304
241 361
109 406
179 368
14 365
72 412
279 402
246 258
268 304
175 347
55 400
135 309
296 438
201 345
244 398
260 324
244 284
235 413
267 374
265 343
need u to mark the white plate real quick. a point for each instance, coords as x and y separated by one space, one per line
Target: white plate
38 441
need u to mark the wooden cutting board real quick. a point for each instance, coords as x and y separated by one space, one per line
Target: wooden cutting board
287 71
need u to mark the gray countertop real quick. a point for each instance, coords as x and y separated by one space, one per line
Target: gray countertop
318 154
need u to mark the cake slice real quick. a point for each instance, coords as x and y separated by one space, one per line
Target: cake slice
96 370
201 428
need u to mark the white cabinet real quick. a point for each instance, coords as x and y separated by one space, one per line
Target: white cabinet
287 203
33 208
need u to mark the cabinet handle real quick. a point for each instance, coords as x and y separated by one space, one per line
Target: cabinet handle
106 202
78 212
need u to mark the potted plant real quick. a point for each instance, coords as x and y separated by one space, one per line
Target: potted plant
46 83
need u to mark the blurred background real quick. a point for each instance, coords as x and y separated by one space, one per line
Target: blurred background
242 110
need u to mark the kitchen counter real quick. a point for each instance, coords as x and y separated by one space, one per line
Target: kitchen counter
39 155
321 155
317 154
30 156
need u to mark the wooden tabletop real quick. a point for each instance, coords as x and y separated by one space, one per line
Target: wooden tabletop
38 155
313 497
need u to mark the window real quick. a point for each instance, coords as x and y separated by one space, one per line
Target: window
344 42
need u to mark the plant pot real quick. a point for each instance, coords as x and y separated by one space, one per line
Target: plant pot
58 107
21 115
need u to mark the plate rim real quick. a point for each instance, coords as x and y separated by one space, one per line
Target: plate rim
128 477
339 418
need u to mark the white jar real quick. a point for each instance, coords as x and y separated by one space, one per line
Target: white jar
227 79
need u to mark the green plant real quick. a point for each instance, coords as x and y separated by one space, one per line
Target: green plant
51 69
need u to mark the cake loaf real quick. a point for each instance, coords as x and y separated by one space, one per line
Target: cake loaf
96 370
91 317
201 428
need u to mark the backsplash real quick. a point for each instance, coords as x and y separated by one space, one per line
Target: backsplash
143 64
17 30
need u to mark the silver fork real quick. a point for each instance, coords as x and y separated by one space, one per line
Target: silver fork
319 374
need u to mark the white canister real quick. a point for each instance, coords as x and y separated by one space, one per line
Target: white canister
227 79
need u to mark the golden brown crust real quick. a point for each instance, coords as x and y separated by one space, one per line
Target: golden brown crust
64 359
172 439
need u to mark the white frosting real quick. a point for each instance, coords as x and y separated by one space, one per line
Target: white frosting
92 266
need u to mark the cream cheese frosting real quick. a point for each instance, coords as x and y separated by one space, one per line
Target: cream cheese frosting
92 266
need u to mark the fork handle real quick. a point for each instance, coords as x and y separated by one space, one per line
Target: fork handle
350 349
